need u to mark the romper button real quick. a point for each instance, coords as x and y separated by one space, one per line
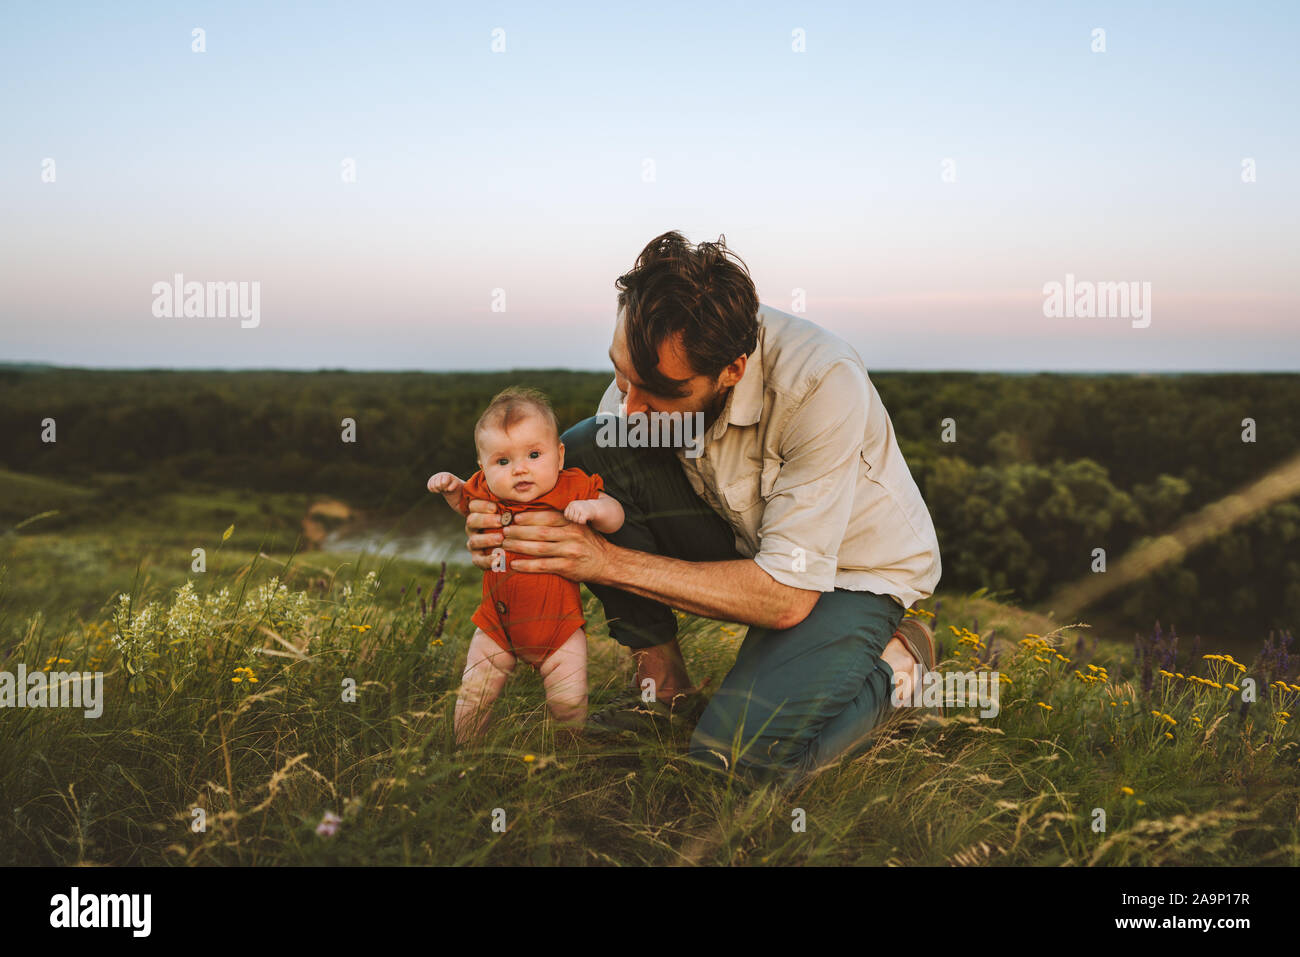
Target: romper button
506 518
501 607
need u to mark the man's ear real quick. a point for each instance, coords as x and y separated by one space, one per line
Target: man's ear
733 373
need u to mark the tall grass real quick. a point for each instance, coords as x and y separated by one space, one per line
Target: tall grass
229 696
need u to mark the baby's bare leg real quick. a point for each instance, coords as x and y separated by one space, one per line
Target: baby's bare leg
487 666
564 676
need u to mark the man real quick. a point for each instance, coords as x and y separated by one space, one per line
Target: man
799 518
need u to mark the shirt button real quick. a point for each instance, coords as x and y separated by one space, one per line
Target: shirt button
501 607
506 518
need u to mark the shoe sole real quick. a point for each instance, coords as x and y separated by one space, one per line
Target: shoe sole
644 718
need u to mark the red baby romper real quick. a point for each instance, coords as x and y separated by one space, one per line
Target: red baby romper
530 614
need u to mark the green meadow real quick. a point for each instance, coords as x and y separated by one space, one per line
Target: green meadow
269 702
230 734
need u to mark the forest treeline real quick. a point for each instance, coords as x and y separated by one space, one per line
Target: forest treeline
1042 469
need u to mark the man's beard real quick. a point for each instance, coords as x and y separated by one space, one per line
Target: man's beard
715 407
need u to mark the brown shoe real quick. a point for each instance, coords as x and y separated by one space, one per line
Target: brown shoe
918 638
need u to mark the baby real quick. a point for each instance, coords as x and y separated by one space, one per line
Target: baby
529 615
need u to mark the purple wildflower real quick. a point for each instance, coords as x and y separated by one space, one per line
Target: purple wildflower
329 824
1276 661
437 589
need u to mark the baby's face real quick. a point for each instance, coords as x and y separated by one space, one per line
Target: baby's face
524 463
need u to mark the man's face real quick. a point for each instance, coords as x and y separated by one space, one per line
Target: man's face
705 395
524 463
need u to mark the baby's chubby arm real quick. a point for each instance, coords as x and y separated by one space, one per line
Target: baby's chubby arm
451 488
604 514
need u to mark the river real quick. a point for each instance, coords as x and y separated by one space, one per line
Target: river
427 539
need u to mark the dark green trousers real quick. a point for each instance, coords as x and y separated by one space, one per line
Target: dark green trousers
797 698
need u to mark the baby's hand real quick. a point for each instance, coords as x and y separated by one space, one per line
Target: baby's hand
580 511
444 482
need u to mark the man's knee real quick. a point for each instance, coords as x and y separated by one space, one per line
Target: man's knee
715 745
581 450
710 745
591 445
707 754
747 769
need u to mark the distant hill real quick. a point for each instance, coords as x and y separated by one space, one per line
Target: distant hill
27 367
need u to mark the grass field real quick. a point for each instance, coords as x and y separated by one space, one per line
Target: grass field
1183 775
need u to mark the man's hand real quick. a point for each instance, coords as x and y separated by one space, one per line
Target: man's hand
737 590
483 528
554 544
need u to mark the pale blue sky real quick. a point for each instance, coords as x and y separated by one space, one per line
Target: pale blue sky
523 171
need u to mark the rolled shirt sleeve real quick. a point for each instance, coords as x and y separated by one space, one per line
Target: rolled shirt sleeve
810 502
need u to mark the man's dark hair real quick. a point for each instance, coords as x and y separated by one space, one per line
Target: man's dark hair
704 292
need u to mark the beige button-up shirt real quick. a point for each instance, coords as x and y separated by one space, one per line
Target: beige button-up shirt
804 466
